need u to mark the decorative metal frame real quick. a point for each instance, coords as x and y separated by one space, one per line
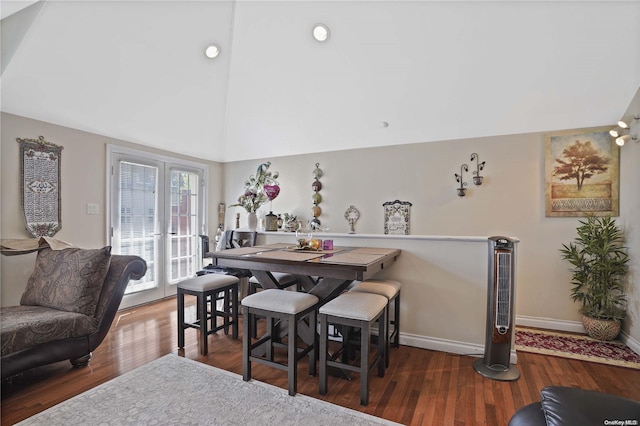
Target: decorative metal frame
352 215
40 195
460 180
397 217
477 179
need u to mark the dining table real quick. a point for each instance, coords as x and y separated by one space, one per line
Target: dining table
323 273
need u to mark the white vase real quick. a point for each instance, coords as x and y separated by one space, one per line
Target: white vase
252 221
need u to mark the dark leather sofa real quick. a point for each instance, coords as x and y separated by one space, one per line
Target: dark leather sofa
76 348
566 406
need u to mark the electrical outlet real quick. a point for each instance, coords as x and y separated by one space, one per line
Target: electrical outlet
92 208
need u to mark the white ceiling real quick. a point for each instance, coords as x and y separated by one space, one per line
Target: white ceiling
432 70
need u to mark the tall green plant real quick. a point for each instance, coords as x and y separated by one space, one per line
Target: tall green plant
599 261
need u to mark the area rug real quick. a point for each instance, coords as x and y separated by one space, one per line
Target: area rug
174 390
576 346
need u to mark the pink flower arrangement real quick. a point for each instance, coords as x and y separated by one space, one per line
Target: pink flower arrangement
259 189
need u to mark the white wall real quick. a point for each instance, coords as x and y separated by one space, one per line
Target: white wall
444 287
510 202
83 180
630 216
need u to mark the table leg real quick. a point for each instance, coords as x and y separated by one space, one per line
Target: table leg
329 288
307 283
266 279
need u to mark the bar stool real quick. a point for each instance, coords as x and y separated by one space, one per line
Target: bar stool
283 305
391 290
359 310
283 279
207 288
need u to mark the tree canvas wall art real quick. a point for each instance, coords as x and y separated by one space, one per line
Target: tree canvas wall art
581 173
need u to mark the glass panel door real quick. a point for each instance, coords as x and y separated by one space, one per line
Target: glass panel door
157 214
183 249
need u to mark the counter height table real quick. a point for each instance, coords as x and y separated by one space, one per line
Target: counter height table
323 273
335 269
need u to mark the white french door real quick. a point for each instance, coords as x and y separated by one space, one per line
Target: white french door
157 211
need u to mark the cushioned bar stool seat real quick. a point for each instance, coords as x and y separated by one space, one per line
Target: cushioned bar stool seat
391 290
358 310
284 281
207 288
279 305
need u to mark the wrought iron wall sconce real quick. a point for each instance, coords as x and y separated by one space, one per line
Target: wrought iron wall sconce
477 179
460 180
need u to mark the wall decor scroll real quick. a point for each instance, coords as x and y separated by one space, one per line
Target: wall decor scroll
396 217
40 199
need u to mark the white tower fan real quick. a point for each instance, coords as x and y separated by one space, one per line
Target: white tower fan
500 316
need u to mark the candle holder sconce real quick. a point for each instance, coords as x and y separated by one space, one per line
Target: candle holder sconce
460 180
477 179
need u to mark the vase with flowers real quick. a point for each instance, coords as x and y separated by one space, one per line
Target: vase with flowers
258 190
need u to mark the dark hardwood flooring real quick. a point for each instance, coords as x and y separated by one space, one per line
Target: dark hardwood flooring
421 387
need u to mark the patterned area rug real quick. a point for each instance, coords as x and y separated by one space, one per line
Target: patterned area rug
173 390
576 346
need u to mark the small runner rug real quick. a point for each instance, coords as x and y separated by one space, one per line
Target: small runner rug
576 346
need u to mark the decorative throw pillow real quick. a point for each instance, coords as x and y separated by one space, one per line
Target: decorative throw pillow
70 279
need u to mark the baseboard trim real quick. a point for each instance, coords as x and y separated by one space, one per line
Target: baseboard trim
472 349
572 327
551 324
450 346
632 343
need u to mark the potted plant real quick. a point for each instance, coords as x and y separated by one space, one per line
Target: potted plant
599 266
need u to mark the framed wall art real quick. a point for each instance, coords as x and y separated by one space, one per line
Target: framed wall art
397 217
40 199
582 175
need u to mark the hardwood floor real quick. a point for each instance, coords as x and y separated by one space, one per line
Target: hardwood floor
421 387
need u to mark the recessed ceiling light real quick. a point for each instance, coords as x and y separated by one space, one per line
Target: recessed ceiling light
320 32
212 51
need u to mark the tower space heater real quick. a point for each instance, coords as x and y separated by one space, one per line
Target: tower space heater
500 316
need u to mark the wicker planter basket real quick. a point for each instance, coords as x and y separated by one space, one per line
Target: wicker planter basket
601 329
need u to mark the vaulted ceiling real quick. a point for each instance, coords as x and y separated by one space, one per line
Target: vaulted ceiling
136 71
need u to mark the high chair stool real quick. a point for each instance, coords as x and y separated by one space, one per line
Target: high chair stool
358 310
207 288
276 304
391 290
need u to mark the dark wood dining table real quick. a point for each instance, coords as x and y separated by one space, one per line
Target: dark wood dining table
323 273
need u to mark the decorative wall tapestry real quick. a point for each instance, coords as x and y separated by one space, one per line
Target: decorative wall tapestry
40 186
582 173
396 217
